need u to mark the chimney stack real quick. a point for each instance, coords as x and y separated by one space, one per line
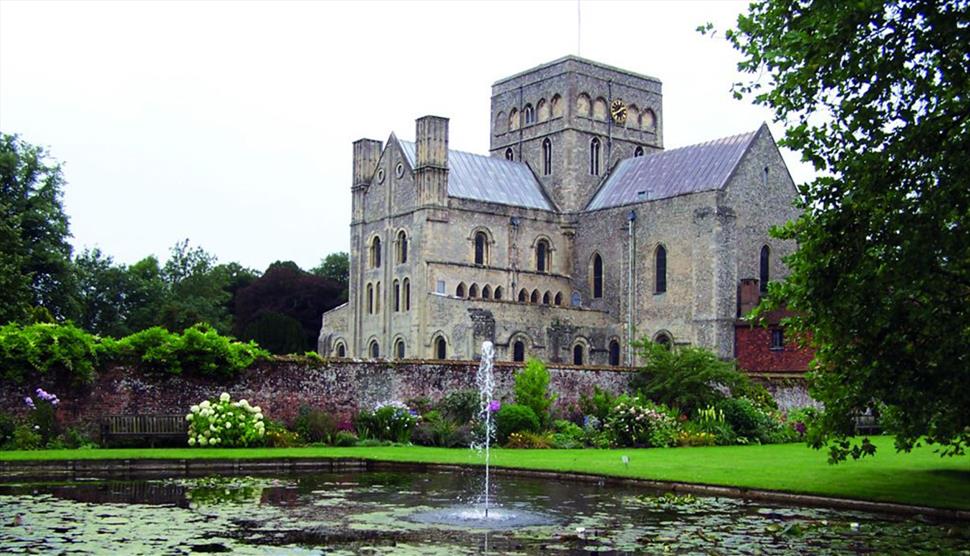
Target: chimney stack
366 154
431 173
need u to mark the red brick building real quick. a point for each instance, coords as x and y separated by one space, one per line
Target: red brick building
764 347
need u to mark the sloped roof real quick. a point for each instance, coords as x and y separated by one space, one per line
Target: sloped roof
702 167
489 179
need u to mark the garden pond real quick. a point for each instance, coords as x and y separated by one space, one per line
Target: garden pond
387 512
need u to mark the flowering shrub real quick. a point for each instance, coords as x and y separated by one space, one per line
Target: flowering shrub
526 439
224 423
42 414
633 422
389 420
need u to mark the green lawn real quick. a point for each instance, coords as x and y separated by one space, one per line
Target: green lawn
921 477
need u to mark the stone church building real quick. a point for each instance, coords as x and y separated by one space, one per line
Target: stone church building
577 232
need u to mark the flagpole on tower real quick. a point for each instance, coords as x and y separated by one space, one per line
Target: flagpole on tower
579 26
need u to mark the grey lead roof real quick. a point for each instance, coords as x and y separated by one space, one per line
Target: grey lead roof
691 169
489 179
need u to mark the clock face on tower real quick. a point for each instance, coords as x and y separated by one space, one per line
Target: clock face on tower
618 111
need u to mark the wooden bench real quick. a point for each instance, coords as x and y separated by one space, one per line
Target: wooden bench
867 424
150 428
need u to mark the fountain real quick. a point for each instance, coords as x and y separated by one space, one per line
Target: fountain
484 515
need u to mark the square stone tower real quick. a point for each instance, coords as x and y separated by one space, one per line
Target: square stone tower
572 120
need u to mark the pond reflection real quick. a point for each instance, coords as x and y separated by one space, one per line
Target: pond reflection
379 512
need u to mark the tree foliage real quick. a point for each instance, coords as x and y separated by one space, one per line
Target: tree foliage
875 95
35 255
684 377
268 308
336 267
532 389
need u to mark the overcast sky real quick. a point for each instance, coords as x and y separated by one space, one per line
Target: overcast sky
230 123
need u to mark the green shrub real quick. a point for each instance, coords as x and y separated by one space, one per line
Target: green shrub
388 421
7 427
436 430
223 423
757 393
710 420
802 419
315 425
634 422
44 348
526 439
344 438
597 405
512 418
686 378
752 424
532 389
26 438
568 435
461 406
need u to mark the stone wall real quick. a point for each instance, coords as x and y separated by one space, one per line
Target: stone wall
281 386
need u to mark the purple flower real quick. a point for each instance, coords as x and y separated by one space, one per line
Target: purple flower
29 402
47 396
494 406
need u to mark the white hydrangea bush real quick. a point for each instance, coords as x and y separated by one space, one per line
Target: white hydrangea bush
222 422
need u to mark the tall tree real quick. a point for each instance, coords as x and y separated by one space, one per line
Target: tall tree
103 294
281 309
876 95
196 290
35 257
336 267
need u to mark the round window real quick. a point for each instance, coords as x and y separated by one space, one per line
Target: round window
399 170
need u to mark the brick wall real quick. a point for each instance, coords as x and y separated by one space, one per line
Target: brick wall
281 386
755 354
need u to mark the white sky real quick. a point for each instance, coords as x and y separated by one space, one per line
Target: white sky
230 123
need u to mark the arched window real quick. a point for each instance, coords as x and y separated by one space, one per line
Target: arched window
556 106
663 339
509 154
473 291
513 120
498 292
546 157
594 157
377 297
534 298
542 110
578 354
599 109
530 114
543 256
370 299
501 123
460 290
440 348
558 300
402 247
375 349
597 276
638 152
341 350
614 353
648 120
399 348
487 292
518 351
397 296
375 253
407 294
582 105
546 298
660 283
481 248
523 295
765 260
